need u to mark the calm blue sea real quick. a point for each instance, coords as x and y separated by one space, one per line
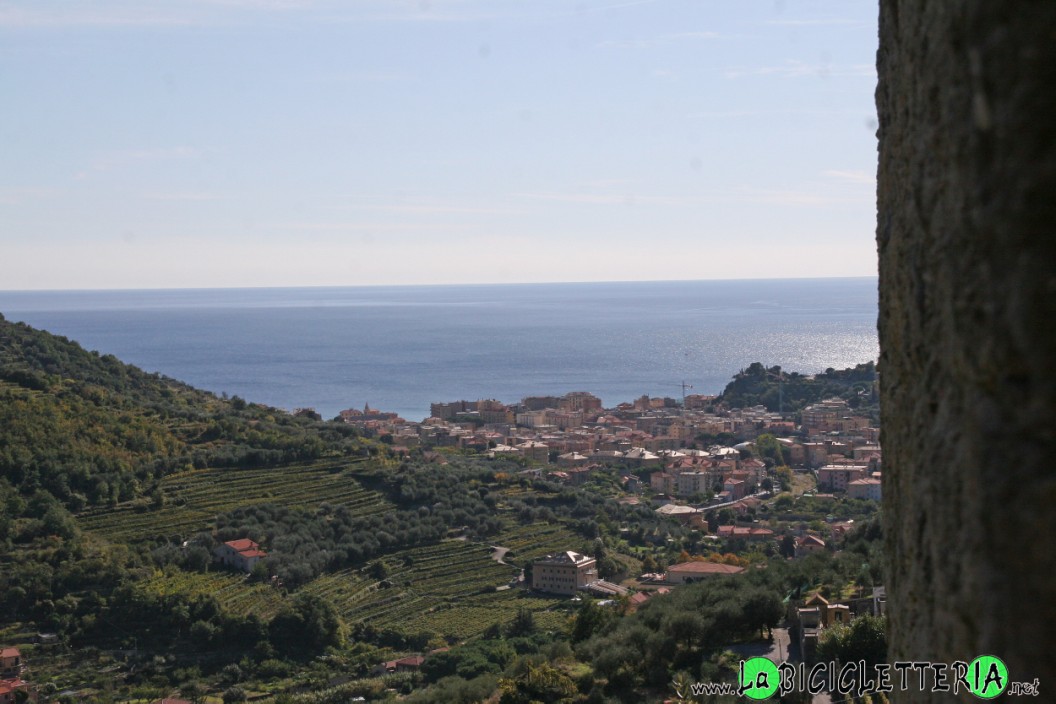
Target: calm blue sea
400 348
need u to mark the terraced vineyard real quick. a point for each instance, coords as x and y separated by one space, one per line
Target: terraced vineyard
532 541
473 616
234 591
194 497
446 588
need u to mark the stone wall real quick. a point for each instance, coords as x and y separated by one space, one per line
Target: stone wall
966 231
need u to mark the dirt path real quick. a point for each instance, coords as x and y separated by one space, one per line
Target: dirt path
499 554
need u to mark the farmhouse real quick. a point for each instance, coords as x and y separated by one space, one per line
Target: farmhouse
241 554
11 664
809 544
15 690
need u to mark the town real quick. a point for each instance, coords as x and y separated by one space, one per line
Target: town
278 555
675 456
679 445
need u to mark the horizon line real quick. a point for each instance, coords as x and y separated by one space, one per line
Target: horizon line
429 285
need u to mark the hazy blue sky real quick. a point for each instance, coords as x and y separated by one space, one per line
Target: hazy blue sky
301 142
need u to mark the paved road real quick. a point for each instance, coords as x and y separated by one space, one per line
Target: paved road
776 651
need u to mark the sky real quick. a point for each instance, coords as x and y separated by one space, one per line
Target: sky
241 143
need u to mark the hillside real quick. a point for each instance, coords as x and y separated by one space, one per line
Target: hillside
92 431
116 486
791 391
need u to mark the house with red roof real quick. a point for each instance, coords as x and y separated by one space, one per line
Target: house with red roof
809 544
11 663
686 572
241 554
750 533
10 688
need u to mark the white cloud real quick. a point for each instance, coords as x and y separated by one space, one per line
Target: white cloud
854 176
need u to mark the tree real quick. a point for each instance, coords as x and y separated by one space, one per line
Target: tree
543 683
769 448
234 694
864 639
784 475
763 609
308 626
522 624
590 619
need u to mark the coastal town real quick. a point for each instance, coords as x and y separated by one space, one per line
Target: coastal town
688 450
404 553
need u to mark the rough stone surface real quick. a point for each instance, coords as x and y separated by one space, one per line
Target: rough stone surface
966 232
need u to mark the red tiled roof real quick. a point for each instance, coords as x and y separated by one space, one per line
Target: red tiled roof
243 544
705 568
8 686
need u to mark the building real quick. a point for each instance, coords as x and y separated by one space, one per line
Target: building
580 401
15 690
814 616
662 482
749 533
687 572
809 544
691 483
563 573
11 663
535 451
241 554
868 488
572 459
837 477
682 513
736 488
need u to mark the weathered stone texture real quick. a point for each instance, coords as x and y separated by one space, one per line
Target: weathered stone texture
966 232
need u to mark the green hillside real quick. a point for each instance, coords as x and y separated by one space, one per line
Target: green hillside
779 390
116 484
92 431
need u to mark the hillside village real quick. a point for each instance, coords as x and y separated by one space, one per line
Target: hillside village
219 549
665 454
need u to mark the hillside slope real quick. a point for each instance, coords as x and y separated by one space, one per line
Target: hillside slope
91 430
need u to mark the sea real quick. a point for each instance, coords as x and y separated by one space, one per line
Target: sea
400 348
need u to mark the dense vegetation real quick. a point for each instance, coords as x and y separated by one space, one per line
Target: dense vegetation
92 431
792 391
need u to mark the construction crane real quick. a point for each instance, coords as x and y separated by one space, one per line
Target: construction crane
684 387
